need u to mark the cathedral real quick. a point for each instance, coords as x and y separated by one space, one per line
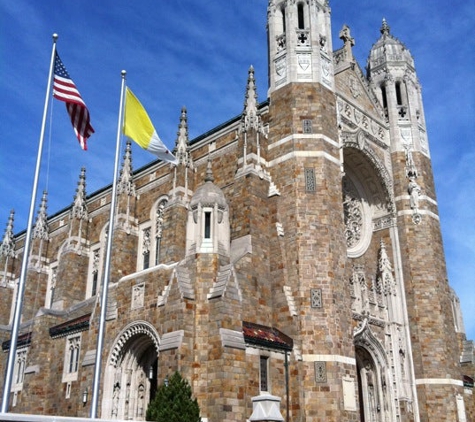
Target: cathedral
290 266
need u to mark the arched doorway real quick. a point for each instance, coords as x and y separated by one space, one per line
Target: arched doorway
131 374
374 378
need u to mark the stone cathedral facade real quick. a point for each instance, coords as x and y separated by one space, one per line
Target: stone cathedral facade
290 266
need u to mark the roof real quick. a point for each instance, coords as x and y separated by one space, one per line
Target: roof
72 326
22 341
260 335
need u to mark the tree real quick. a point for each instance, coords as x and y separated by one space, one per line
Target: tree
174 402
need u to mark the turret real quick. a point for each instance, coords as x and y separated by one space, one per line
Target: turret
300 45
208 219
393 78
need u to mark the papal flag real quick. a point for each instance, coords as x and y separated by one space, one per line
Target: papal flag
139 127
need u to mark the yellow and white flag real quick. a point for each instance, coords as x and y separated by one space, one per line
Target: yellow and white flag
139 127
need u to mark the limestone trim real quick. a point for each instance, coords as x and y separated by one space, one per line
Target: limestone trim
232 338
301 136
304 154
172 340
131 330
329 358
148 270
439 381
422 212
226 274
356 120
421 197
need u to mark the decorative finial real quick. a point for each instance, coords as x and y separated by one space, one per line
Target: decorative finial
249 117
345 36
209 172
7 248
385 27
182 148
41 227
79 209
126 182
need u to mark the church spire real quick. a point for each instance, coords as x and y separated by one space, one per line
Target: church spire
7 248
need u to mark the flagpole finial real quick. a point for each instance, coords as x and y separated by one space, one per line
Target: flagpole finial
55 37
123 73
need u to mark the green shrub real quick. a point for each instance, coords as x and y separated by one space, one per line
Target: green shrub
174 402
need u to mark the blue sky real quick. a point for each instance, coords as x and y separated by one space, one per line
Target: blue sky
196 54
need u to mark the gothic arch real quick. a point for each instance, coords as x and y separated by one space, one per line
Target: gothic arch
161 201
367 190
374 382
358 155
130 375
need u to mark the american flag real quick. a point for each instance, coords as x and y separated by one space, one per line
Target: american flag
65 90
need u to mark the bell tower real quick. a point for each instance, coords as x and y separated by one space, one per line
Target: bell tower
393 78
300 46
303 158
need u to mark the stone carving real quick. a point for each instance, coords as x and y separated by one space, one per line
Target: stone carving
316 298
41 229
159 219
138 294
146 241
353 213
310 182
320 372
413 187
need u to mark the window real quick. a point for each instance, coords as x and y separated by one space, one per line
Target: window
207 228
264 373
398 93
151 237
71 358
282 12
300 15
384 97
73 355
158 241
19 369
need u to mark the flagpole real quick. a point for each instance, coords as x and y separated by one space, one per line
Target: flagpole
26 250
105 286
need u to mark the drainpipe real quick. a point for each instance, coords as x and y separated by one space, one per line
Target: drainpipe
286 364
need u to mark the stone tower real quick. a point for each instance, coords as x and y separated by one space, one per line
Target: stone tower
304 156
393 79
